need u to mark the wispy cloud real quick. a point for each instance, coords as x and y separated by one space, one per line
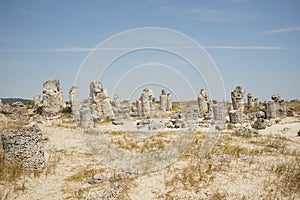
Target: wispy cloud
82 49
282 30
246 47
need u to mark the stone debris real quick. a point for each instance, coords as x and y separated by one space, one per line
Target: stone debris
16 111
52 102
203 102
100 97
276 107
75 102
117 123
237 97
113 192
24 146
165 101
86 119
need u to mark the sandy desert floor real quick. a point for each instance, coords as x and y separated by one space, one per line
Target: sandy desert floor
248 166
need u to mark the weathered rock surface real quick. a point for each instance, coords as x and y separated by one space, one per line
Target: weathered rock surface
117 101
165 101
237 97
52 99
24 146
203 102
276 107
75 102
236 116
86 119
252 101
146 103
100 97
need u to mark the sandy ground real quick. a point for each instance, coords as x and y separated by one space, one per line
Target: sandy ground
241 172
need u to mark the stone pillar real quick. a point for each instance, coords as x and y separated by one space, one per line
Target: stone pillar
203 102
37 101
218 110
146 99
52 99
75 102
117 101
236 116
139 107
256 102
24 146
251 101
237 97
276 107
86 119
270 109
100 97
163 98
169 102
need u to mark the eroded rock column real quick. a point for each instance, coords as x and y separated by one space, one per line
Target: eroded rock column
52 99
100 97
75 102
237 97
203 102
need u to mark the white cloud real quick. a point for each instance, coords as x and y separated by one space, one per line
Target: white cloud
246 47
282 30
81 49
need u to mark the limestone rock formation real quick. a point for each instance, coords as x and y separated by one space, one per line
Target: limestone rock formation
52 99
276 107
237 97
75 102
203 102
236 116
24 146
165 101
117 101
86 119
99 96
145 103
252 101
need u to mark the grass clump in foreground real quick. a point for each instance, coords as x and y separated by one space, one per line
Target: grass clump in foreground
11 176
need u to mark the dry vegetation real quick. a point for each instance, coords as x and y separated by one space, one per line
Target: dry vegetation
261 166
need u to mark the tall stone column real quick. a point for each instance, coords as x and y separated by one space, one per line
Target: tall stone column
75 102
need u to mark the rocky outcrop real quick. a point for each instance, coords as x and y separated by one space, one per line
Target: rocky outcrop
52 102
100 97
75 102
237 97
203 102
24 146
276 107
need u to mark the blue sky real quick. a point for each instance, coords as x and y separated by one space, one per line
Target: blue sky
254 43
